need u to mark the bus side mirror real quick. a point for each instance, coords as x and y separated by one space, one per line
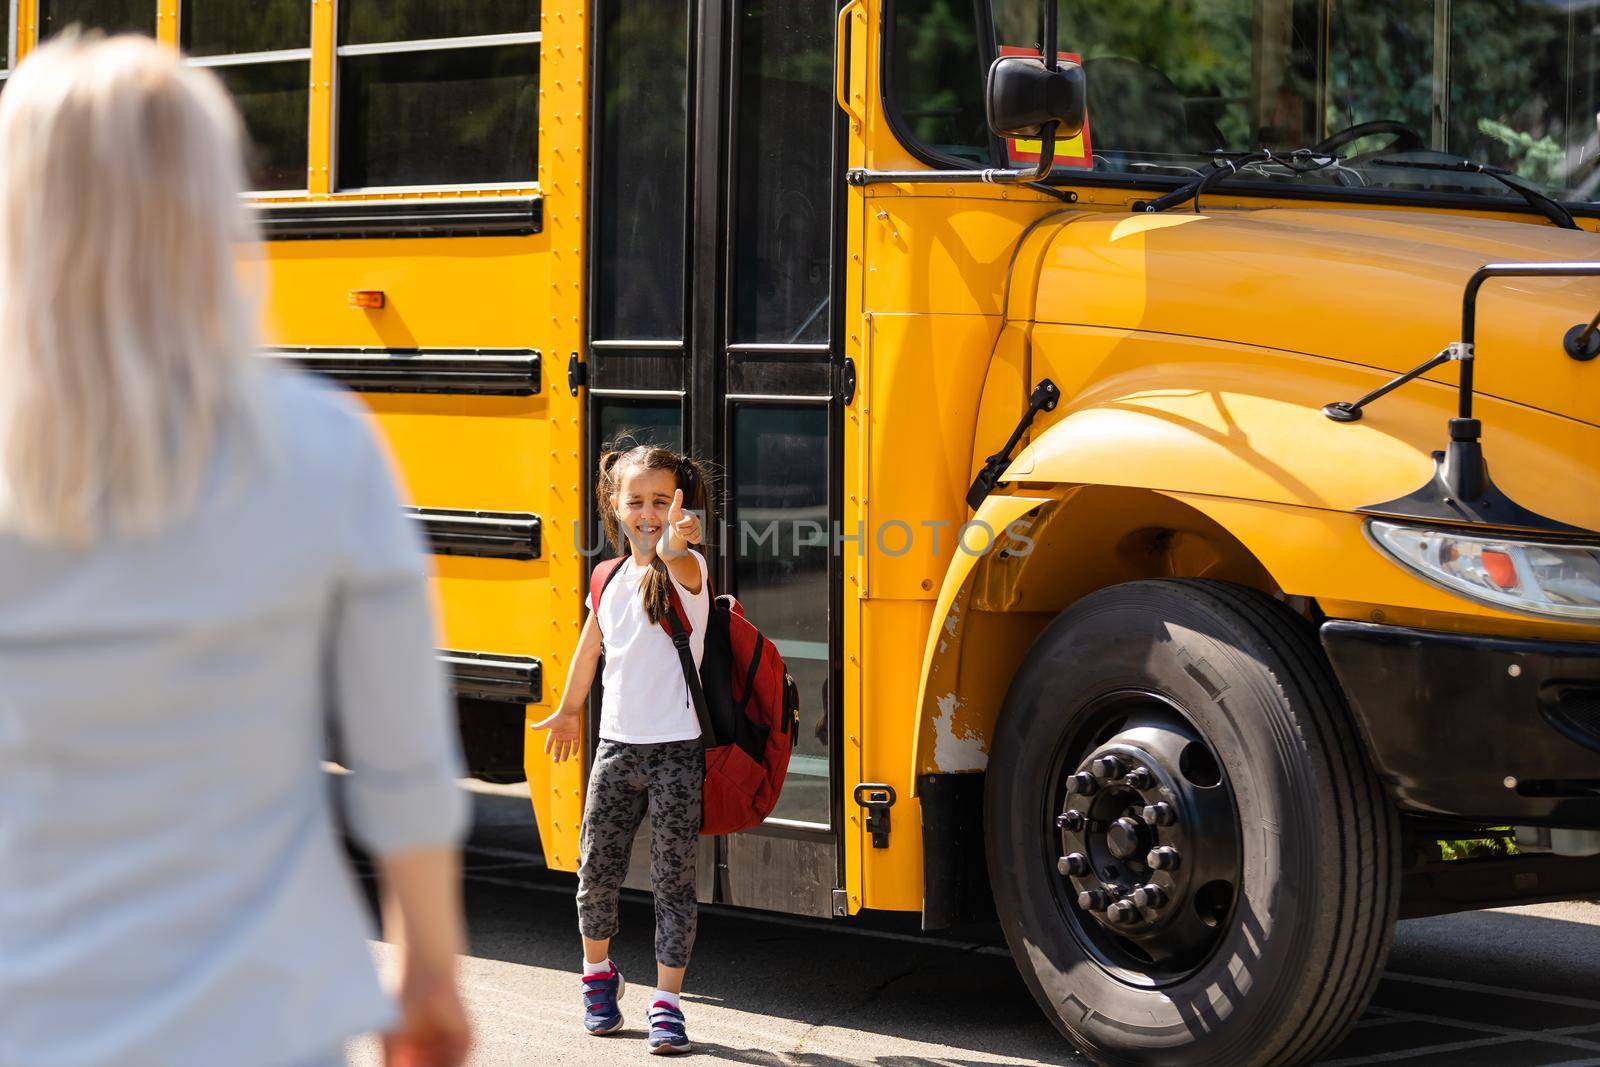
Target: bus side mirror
1023 96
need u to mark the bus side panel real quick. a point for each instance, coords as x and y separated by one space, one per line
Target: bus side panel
463 451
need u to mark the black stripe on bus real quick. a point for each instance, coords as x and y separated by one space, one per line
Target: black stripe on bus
493 371
468 217
495 534
489 676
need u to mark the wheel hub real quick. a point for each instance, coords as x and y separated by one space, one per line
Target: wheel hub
1126 838
1150 843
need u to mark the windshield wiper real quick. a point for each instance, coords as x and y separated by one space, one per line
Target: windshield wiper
1299 161
1536 198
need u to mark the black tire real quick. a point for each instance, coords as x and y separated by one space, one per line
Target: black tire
1298 955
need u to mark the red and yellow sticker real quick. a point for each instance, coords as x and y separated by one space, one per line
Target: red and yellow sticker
1070 151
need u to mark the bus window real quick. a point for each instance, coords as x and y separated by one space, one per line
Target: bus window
639 420
261 49
1511 83
112 16
780 540
783 223
937 78
641 152
437 92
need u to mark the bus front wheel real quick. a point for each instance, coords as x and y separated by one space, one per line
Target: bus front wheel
1192 860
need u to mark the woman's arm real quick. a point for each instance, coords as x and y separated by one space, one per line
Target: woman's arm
566 722
397 725
422 914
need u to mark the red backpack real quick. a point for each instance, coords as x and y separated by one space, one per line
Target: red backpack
748 706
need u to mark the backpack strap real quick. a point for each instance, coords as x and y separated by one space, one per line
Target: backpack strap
677 624
599 578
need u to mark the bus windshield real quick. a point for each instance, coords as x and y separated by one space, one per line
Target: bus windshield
1378 83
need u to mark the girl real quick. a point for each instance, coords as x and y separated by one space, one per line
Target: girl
650 753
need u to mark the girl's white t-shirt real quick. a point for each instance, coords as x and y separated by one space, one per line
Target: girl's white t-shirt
646 700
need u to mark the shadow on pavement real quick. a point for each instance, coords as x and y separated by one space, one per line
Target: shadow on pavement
1508 987
814 977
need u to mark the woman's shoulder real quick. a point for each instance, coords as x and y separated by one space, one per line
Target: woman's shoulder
319 427
302 401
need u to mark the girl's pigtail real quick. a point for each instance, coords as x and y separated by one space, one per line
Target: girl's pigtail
657 600
605 496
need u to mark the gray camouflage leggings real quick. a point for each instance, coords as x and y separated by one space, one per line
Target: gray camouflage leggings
625 780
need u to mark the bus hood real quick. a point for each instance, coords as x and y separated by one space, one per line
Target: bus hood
1381 289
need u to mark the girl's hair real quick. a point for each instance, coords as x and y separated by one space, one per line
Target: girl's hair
693 476
124 332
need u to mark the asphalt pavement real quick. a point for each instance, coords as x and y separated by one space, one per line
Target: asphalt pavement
1517 986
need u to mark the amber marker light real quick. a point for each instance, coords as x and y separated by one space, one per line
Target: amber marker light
370 299
1500 569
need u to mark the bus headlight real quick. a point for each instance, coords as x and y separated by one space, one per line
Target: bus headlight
1554 579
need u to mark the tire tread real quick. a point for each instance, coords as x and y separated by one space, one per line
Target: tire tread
1368 830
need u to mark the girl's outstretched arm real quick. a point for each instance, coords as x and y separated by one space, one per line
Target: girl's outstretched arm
566 722
681 531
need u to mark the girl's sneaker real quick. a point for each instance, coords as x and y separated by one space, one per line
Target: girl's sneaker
602 1013
667 1033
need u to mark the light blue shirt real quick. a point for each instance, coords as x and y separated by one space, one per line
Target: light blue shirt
172 887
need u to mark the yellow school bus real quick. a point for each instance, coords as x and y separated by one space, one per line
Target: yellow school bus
1160 437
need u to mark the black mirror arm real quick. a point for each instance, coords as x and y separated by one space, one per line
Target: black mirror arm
1350 410
1043 398
1462 471
1052 16
1047 156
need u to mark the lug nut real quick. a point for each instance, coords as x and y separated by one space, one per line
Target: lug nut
1160 814
1107 768
1141 778
1081 784
1165 858
1073 864
1122 911
1149 896
1070 820
1094 900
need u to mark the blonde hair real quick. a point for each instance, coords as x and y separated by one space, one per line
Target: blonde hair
124 332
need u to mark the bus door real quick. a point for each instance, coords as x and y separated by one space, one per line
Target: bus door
711 327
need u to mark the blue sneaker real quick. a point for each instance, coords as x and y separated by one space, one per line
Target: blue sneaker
667 1033
601 992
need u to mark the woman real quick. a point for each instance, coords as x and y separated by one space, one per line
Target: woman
203 565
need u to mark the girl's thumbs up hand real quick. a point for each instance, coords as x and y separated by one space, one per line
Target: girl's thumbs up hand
682 529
